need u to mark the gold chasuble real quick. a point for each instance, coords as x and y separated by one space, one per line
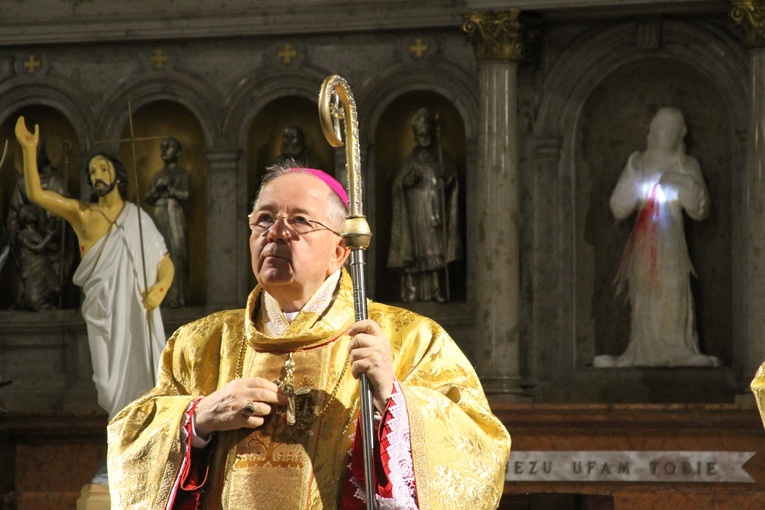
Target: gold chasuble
459 448
758 388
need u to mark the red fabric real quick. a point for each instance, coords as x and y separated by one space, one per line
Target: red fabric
646 227
383 486
194 470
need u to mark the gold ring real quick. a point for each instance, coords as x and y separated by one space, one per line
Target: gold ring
248 409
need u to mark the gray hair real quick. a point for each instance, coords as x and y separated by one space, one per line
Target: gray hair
335 212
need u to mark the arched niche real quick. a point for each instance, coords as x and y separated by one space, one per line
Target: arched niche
264 140
63 149
619 112
563 333
394 140
156 120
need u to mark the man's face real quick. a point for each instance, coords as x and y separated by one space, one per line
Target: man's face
102 176
292 144
423 136
288 266
169 150
667 130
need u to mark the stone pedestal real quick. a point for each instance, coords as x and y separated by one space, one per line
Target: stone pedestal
647 428
47 460
94 497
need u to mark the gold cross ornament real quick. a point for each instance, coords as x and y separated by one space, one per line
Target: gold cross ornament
287 54
158 59
418 48
288 388
32 64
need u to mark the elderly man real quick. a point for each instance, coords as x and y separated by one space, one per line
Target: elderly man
258 408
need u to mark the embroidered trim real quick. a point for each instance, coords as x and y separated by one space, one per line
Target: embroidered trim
399 450
400 467
274 321
186 446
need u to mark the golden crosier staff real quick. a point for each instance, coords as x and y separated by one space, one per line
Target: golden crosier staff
336 105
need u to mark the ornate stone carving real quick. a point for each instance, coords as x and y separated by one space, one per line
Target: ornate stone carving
750 16
505 35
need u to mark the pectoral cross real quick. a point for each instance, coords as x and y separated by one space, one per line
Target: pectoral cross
288 388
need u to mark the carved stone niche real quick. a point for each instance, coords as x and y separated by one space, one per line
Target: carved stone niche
157 120
265 141
394 141
619 111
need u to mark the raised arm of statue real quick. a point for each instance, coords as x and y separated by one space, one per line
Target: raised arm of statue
67 208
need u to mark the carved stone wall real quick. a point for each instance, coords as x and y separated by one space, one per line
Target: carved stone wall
225 68
220 90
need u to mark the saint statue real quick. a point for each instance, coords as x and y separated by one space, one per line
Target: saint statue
294 150
170 188
5 247
425 228
660 183
37 241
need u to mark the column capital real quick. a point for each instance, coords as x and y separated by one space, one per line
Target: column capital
750 16
506 35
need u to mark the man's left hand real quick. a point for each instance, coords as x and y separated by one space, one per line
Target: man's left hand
370 355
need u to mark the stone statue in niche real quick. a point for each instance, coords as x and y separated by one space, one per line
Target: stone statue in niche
37 240
5 247
294 149
660 183
170 187
424 224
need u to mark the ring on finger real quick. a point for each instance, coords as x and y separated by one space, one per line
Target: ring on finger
248 409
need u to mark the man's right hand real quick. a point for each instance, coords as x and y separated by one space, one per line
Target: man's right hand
222 409
25 138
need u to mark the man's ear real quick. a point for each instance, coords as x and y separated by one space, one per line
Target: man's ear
340 255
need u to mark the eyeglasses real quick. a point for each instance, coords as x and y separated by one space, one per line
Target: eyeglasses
299 225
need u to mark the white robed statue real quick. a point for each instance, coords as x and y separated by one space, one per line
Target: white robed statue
660 183
119 334
125 332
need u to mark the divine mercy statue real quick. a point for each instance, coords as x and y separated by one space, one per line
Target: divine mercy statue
660 183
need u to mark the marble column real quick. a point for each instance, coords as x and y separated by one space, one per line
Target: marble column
226 233
498 39
750 15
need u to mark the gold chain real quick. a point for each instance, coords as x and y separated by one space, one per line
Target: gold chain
240 373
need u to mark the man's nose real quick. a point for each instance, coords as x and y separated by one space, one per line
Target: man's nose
279 230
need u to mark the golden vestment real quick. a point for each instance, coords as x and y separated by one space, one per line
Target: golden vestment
758 388
459 448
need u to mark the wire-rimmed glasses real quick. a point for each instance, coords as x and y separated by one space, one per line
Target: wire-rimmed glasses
260 223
